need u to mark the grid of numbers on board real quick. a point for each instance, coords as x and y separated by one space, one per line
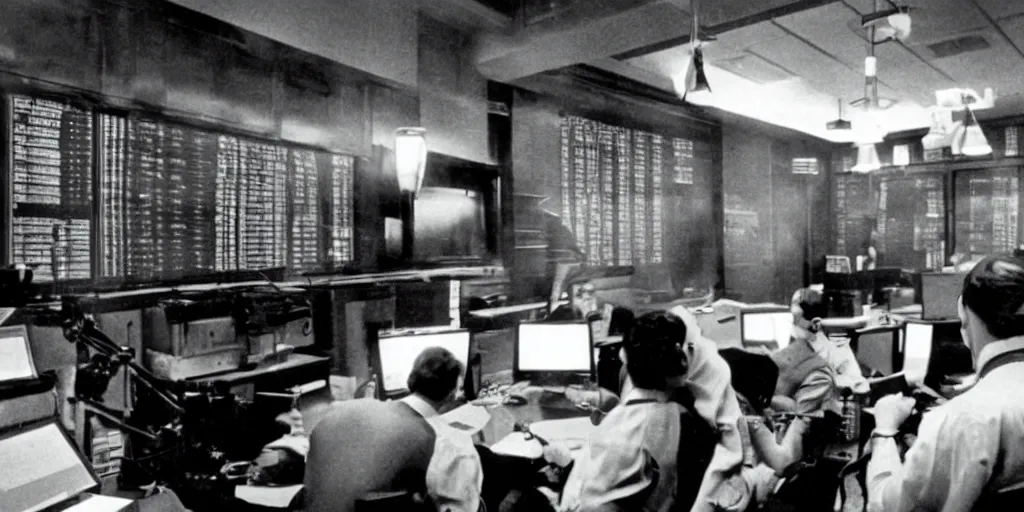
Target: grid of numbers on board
305 204
114 194
682 169
227 210
623 190
987 211
342 211
51 187
612 182
640 202
263 222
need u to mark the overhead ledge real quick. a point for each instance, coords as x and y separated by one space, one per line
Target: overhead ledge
467 15
507 58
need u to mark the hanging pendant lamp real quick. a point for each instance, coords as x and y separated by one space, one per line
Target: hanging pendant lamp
969 139
867 159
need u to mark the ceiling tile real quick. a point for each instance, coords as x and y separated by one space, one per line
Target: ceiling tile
938 20
1000 9
1014 29
817 69
827 27
909 75
748 36
999 67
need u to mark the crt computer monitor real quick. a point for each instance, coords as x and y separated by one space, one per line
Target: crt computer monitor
554 353
398 352
939 294
41 468
770 325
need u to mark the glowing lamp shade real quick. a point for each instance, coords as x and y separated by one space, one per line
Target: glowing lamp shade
693 85
867 159
901 24
410 158
969 140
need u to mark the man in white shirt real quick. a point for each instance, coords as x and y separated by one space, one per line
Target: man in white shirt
366 446
968 450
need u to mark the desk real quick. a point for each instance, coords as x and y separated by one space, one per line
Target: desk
540 406
298 369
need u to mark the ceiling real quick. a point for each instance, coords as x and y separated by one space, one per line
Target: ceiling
786 62
792 70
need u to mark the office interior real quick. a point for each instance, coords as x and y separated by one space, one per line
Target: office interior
283 203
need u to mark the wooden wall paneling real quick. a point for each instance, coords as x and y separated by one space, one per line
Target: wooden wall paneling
453 94
790 204
499 129
747 185
57 42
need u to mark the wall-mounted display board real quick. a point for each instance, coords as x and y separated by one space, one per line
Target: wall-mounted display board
614 183
50 160
912 221
175 201
986 213
854 205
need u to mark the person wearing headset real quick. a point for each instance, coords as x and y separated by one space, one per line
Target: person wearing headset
968 453
812 366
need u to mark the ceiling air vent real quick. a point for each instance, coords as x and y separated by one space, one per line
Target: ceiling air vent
958 46
753 68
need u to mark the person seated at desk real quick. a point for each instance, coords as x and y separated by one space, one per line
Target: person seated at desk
968 452
812 366
365 446
630 461
764 459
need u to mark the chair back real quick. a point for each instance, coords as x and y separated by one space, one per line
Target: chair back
697 442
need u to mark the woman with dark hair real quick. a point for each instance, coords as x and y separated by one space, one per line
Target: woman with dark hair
969 451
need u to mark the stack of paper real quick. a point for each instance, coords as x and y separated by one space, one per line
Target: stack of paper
468 418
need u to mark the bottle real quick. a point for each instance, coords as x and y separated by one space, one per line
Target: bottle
851 416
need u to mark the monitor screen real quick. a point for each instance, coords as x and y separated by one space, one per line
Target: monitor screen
554 348
917 352
939 294
767 326
41 469
15 354
398 353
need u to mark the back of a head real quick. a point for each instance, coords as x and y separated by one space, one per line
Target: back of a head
753 375
654 349
994 291
435 374
811 302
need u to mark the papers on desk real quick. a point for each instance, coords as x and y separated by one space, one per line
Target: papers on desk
97 503
572 433
565 431
264 496
516 445
468 418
